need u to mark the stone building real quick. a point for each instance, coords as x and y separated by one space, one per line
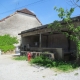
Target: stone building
17 22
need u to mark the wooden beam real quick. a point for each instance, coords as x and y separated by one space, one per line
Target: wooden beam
40 41
41 31
69 42
47 41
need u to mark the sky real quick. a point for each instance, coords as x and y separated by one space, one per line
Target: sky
44 9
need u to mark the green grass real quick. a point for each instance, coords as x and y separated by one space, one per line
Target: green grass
59 65
65 66
6 43
20 58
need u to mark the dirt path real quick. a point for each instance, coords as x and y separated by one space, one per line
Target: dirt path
22 70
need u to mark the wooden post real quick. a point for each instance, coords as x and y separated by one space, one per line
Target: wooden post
40 41
69 42
47 41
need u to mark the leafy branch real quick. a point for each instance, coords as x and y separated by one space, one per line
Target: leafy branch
66 23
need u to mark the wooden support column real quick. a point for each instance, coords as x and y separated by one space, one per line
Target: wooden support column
47 41
69 42
39 40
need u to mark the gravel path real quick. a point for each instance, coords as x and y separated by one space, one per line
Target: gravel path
22 70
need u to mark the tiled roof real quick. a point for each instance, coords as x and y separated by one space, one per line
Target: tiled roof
74 19
26 11
6 17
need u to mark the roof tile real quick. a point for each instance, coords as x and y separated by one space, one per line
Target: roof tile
26 11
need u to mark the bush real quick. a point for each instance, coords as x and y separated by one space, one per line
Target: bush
6 48
7 40
41 60
6 43
64 66
60 65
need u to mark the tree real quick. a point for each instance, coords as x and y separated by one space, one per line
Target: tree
65 16
75 3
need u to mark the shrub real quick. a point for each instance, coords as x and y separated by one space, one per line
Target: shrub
43 61
6 48
65 67
60 65
37 60
6 42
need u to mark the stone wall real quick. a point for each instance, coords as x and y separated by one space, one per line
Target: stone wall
18 22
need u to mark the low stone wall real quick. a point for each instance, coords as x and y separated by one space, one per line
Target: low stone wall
48 55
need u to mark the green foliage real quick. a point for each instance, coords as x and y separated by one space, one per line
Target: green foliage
6 48
20 58
6 43
41 60
60 65
64 66
7 40
65 16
